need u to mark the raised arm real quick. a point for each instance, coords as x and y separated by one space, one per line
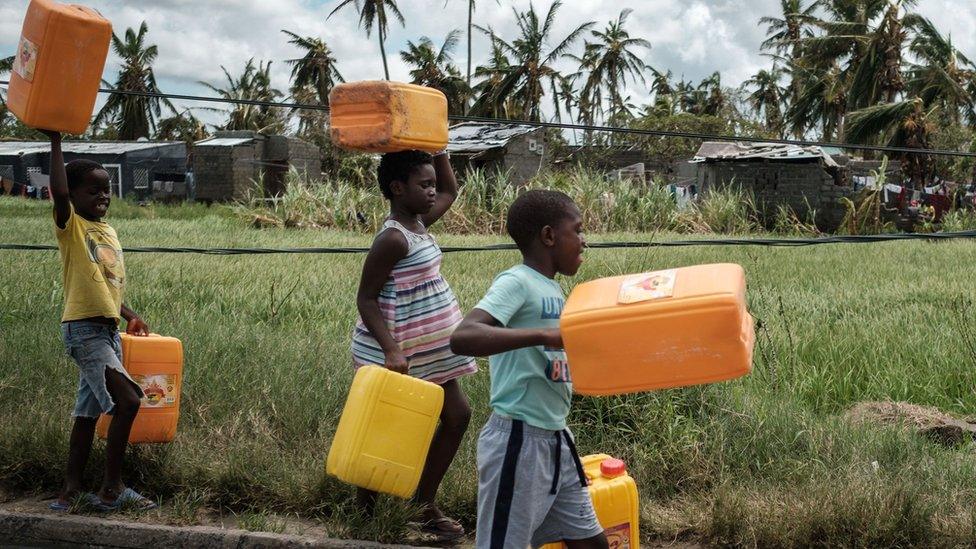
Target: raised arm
59 181
447 189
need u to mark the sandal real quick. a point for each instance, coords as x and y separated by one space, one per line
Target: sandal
128 497
444 528
65 506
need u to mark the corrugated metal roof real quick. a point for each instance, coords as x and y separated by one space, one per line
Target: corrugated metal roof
472 137
724 150
224 141
11 148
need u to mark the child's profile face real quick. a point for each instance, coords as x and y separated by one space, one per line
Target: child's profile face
569 243
419 192
91 199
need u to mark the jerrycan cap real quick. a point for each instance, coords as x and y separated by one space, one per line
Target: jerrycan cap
612 467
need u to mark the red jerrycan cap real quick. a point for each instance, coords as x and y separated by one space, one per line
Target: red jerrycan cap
612 467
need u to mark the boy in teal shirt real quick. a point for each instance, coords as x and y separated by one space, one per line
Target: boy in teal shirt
531 486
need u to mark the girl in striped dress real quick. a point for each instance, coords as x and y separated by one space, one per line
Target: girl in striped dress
407 311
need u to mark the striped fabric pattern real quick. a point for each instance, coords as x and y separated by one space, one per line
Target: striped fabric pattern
420 311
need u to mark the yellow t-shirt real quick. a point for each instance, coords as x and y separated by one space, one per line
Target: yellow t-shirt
93 270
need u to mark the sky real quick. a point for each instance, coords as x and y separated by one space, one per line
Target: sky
692 38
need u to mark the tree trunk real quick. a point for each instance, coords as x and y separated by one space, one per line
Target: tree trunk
386 69
470 11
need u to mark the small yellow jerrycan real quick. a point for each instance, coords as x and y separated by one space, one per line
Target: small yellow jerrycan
385 431
614 496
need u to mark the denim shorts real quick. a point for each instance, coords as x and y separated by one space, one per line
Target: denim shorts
94 347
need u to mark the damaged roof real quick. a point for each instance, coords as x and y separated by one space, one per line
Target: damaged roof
475 137
15 148
725 150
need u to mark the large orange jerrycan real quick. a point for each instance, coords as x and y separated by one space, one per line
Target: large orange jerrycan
658 330
385 431
381 117
155 363
58 66
614 496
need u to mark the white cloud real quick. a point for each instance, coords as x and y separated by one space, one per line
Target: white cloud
196 37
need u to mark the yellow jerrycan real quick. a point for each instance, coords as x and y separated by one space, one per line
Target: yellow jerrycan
385 431
381 117
155 363
58 66
658 330
614 496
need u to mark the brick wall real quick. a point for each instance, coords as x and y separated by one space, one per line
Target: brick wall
800 186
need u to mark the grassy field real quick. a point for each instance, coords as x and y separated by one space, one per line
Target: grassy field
767 460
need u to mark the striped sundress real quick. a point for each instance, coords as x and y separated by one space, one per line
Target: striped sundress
420 311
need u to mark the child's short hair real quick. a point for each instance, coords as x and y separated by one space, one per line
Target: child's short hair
533 210
76 170
398 166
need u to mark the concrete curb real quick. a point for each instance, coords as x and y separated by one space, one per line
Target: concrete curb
82 531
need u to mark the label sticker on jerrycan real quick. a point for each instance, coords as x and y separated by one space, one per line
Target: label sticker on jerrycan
647 286
618 537
159 390
25 62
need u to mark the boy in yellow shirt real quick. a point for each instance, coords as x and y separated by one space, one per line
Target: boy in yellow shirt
94 279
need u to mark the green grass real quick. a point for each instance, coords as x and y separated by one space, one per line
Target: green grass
765 460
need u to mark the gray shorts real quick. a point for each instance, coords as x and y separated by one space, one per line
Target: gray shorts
94 347
531 487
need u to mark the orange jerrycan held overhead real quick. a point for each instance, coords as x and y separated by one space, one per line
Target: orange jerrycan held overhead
381 117
58 66
385 431
658 330
155 363
614 496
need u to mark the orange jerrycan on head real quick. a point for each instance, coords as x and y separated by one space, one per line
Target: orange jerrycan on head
385 431
658 330
381 117
58 66
155 363
614 496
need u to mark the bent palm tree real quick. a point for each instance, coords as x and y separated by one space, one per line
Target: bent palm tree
316 69
433 68
532 62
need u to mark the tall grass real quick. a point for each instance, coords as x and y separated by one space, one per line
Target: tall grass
607 205
767 460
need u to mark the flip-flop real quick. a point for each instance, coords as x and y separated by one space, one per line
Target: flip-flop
128 496
436 527
63 507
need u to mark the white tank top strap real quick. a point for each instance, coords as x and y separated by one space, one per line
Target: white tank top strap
412 238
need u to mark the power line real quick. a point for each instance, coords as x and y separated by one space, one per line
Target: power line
567 126
764 242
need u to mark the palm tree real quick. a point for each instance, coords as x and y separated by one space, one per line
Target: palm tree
133 116
6 65
610 62
533 63
489 102
784 35
471 8
944 75
767 98
253 84
905 124
433 68
182 126
317 68
374 12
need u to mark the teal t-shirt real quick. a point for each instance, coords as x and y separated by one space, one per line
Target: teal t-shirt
531 384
